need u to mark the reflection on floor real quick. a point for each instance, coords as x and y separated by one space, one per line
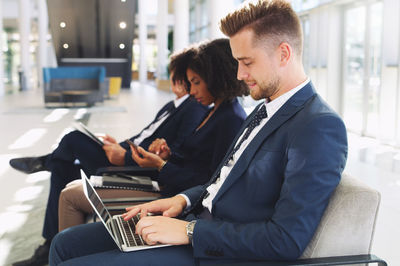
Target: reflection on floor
30 129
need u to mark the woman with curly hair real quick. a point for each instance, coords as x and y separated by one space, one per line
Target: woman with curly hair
211 74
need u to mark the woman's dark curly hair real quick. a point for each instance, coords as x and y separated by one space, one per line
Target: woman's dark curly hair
179 63
215 64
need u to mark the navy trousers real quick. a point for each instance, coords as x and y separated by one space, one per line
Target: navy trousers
90 244
74 145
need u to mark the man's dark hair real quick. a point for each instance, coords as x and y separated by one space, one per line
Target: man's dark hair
179 63
274 20
215 64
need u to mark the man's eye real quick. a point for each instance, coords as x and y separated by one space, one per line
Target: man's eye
247 63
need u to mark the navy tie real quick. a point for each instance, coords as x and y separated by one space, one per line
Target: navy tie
255 121
168 110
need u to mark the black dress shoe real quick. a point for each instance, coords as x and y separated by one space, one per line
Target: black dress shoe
39 258
28 165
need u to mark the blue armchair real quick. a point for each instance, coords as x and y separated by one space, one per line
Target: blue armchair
74 85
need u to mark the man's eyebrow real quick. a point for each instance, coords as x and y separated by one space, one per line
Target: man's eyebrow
243 58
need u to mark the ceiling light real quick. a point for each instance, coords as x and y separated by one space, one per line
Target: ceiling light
65 45
122 25
121 46
63 24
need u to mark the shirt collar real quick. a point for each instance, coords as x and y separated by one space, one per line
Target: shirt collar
275 105
179 101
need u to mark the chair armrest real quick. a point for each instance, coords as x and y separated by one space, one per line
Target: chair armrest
337 260
133 170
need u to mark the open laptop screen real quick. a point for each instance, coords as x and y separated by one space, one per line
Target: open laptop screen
97 203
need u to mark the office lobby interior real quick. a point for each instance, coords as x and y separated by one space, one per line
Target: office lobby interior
351 54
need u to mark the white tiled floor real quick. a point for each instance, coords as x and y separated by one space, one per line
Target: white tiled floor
27 128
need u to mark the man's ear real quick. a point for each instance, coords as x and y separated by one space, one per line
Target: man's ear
286 53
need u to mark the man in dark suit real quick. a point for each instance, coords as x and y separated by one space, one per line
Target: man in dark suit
174 122
269 193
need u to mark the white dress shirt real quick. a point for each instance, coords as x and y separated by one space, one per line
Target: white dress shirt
153 127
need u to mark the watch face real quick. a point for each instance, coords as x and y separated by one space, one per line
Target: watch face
190 227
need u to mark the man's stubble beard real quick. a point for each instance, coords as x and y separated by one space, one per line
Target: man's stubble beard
265 90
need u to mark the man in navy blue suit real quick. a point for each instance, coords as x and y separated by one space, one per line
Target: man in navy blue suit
269 193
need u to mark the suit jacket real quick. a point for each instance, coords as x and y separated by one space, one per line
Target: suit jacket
203 150
273 199
178 125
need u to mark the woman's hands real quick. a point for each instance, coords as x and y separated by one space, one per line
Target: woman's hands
160 147
146 159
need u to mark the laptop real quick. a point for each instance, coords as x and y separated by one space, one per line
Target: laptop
121 231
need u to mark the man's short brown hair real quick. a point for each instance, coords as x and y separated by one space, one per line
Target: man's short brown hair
274 19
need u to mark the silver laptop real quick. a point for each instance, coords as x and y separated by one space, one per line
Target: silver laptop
123 232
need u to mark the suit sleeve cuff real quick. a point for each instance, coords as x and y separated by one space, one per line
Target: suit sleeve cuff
128 158
188 203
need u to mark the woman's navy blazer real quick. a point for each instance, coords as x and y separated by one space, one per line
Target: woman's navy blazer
203 150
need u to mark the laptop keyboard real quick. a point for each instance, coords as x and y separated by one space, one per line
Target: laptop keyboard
131 239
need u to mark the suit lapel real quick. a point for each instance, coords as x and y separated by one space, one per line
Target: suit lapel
240 132
171 114
290 108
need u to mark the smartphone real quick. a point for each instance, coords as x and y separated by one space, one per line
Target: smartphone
132 144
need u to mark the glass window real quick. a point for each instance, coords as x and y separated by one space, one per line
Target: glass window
198 20
362 68
354 67
374 65
306 43
204 14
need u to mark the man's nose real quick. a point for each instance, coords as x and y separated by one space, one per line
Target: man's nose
241 74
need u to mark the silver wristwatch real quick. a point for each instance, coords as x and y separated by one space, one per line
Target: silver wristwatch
190 229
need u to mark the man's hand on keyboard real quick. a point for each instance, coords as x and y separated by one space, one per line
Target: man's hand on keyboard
169 207
164 230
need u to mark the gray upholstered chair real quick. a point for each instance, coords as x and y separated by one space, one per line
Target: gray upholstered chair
348 224
345 233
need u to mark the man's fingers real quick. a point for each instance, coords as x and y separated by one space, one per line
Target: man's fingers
145 231
148 229
171 212
151 239
134 207
106 144
109 139
143 213
167 213
143 223
128 215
